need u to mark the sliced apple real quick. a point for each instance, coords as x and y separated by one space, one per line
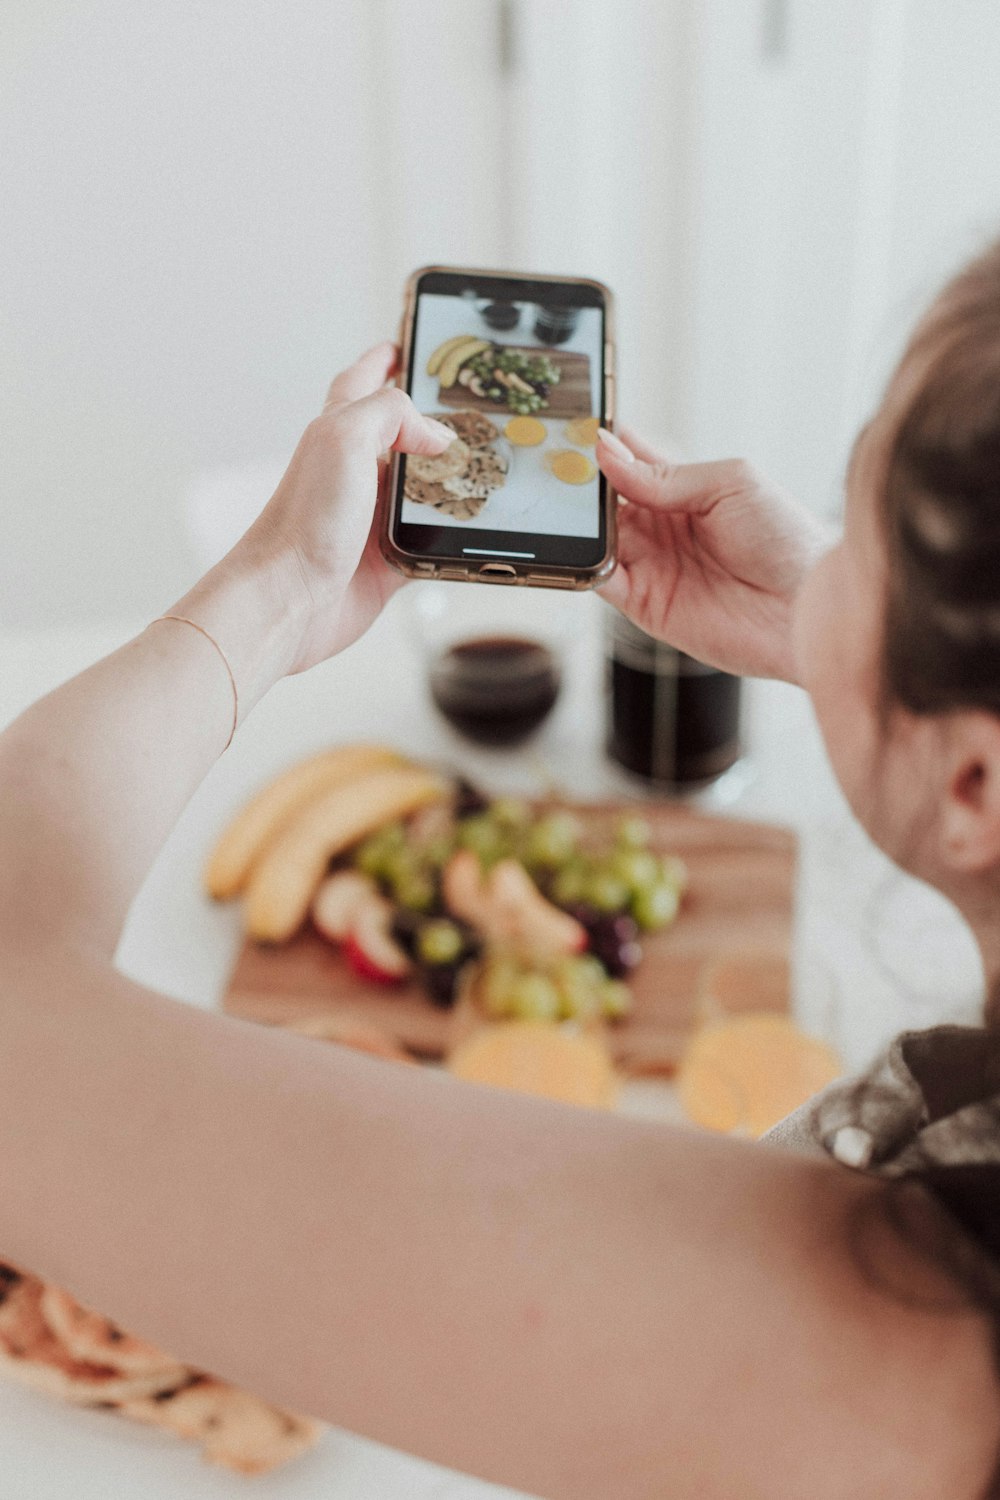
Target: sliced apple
337 900
370 948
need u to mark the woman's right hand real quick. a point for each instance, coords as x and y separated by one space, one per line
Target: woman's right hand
709 557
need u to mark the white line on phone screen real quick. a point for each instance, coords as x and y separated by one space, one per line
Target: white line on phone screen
489 552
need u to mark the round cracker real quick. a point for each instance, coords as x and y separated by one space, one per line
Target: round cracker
443 466
31 1354
361 1038
472 426
236 1429
94 1339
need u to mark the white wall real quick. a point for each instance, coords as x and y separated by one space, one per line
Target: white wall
209 207
189 251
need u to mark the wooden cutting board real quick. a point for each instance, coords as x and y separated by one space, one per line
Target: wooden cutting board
570 398
731 940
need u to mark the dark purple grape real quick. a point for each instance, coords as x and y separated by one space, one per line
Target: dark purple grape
615 941
586 915
405 926
469 799
441 983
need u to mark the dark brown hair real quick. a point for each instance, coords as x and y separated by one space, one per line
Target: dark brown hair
940 507
941 503
939 489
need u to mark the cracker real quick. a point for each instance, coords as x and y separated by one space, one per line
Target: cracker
444 466
463 492
94 1339
32 1354
472 426
236 1430
347 1034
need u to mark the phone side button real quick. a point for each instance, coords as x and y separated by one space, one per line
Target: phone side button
609 395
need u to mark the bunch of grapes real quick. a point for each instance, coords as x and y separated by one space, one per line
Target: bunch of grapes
617 893
440 948
568 989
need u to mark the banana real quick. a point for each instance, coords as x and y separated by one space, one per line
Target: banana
456 358
243 842
435 361
283 882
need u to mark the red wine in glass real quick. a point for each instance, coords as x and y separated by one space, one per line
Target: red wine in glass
496 690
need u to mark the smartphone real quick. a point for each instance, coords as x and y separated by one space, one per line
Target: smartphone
522 369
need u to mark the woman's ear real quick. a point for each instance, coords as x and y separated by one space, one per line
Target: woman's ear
970 821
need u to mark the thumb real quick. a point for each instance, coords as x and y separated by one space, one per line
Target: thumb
660 484
389 419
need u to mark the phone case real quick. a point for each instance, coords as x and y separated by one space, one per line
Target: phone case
531 574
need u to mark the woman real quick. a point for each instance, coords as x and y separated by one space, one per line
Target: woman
578 1306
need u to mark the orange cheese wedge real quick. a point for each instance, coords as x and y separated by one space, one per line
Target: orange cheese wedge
744 1074
537 1057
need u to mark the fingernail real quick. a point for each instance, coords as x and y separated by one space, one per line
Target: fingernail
439 430
615 446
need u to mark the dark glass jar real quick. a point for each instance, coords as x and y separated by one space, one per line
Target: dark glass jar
503 316
671 719
554 325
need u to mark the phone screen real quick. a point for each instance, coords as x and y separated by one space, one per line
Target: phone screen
516 368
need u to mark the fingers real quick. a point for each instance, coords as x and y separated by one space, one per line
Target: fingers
615 591
388 419
367 374
641 449
659 483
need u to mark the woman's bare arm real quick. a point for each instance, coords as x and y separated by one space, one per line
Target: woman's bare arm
577 1305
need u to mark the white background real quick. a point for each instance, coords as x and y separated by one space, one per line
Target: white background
532 499
209 208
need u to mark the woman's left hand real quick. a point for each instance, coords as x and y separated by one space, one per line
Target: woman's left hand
319 530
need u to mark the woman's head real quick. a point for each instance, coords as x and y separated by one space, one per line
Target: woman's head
898 629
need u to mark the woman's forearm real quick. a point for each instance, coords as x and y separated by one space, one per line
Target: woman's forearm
94 776
576 1305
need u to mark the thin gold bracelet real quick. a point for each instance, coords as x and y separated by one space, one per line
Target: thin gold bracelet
183 620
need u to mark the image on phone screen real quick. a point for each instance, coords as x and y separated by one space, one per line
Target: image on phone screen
515 368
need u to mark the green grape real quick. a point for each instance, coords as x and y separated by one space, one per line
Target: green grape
655 906
674 872
510 812
588 970
480 834
415 890
553 839
495 985
616 998
633 832
607 891
400 864
535 998
439 850
569 884
580 982
375 855
637 867
368 858
439 942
